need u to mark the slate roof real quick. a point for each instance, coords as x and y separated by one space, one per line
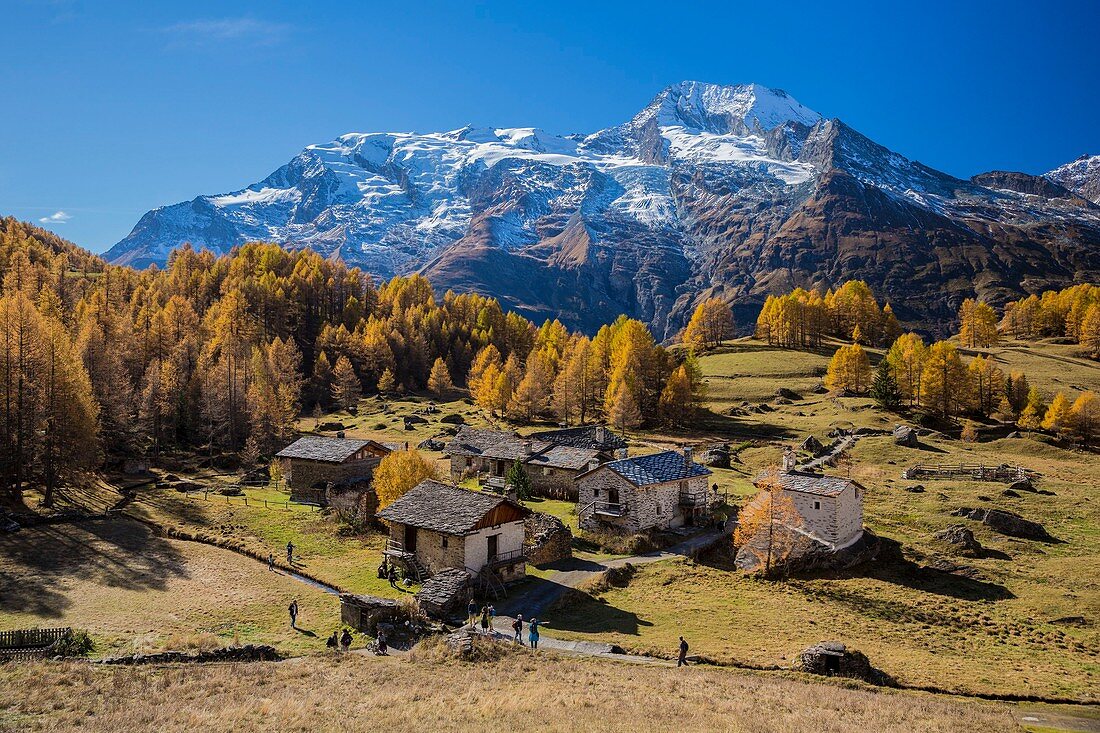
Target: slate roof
493 444
443 508
809 483
597 437
562 456
657 468
317 448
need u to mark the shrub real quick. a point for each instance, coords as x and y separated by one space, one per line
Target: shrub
77 644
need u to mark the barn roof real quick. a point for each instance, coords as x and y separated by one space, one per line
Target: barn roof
808 483
444 508
657 468
562 456
597 437
318 448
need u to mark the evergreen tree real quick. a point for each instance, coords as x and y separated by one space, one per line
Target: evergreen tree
520 482
884 387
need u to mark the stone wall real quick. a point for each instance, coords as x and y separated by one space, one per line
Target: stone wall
832 519
434 550
546 539
301 475
555 483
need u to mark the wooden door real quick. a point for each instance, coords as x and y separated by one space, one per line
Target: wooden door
493 542
410 539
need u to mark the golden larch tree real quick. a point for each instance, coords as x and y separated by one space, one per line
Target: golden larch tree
398 472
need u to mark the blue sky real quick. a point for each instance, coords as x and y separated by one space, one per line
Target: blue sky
113 108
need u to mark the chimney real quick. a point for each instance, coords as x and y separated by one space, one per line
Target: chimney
593 464
788 459
601 434
340 434
687 455
527 443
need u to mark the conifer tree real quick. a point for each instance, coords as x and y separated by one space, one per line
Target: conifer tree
622 410
884 387
1058 419
346 389
1031 417
439 381
518 479
1085 416
387 383
943 380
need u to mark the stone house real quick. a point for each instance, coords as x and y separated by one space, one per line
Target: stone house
830 507
489 454
436 526
657 491
312 464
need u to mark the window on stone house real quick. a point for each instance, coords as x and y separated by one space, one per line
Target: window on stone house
817 505
469 462
444 542
545 470
596 493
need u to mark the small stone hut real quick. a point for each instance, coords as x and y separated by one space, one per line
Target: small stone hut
435 526
831 507
657 491
313 462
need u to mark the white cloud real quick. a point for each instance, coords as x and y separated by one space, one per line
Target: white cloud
58 217
215 31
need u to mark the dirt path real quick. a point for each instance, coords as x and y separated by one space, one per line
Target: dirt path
571 573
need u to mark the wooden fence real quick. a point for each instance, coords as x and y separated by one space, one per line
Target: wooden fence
253 502
20 645
973 471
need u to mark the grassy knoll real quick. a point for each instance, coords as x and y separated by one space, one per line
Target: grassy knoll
521 691
988 626
136 591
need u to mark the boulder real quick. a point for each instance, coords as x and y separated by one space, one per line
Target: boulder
906 436
1023 484
546 539
915 489
431 444
811 445
453 419
331 425
961 539
1007 523
1010 493
787 394
833 659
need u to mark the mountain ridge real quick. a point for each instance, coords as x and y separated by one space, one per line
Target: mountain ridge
709 189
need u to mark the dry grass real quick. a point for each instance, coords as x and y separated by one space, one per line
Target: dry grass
136 592
518 692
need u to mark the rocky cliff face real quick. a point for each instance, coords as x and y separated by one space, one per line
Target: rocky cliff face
738 191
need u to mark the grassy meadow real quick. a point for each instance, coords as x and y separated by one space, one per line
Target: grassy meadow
519 691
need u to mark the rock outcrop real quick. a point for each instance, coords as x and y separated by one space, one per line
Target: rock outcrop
1007 523
833 659
961 539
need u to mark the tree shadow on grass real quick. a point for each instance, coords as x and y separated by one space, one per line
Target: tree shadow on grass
893 567
583 613
117 553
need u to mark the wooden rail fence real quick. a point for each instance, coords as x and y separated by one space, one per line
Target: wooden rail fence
974 471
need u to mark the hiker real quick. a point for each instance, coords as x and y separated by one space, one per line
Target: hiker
271 561
331 642
492 615
533 633
485 619
382 647
393 576
293 609
383 571
471 612
683 658
517 626
290 553
345 640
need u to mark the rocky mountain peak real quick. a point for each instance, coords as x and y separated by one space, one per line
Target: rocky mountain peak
724 110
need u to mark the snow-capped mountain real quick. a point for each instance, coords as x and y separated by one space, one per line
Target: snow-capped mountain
1081 176
735 190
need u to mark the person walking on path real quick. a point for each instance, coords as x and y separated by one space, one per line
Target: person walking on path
345 640
682 660
293 609
533 633
383 648
383 570
492 615
271 561
517 627
393 576
485 620
471 612
290 553
332 643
